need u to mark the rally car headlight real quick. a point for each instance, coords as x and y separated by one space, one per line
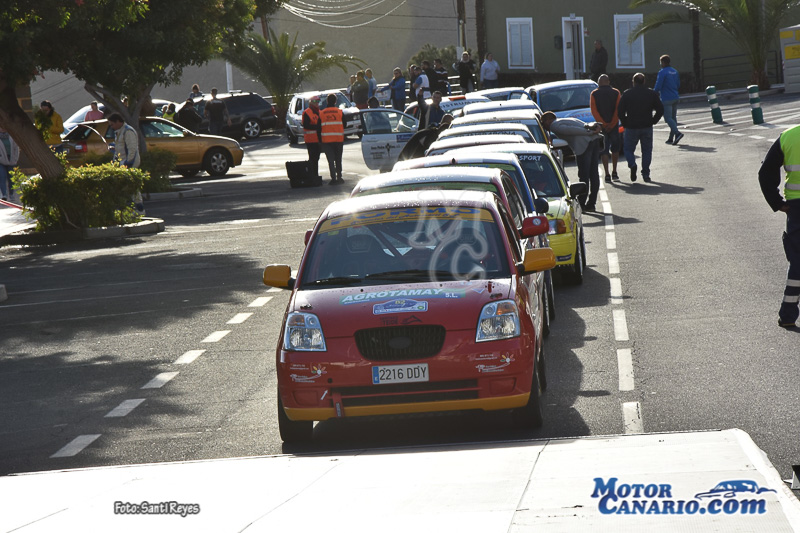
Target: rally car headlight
303 333
499 320
557 226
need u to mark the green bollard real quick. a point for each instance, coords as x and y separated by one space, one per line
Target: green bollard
755 105
716 112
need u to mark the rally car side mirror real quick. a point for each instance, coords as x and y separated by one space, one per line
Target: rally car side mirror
279 276
533 226
536 260
577 189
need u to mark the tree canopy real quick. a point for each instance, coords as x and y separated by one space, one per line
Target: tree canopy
281 65
752 24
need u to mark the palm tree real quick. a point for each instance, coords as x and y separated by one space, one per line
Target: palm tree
752 24
282 66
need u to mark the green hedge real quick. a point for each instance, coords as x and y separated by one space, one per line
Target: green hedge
158 163
85 197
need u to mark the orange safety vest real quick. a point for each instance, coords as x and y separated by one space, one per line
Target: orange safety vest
310 136
332 127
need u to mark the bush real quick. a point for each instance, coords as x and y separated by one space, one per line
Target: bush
158 163
97 159
85 197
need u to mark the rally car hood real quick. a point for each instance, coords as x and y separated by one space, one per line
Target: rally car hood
558 207
454 304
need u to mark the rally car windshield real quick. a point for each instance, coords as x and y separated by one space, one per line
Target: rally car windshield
405 245
541 175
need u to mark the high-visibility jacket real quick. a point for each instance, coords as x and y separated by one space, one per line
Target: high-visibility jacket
332 126
310 117
790 146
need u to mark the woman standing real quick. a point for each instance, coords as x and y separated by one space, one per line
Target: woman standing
489 72
9 155
50 124
466 73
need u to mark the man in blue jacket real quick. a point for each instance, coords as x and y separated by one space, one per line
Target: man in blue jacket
667 84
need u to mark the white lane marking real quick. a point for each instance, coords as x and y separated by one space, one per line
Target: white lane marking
261 301
603 195
609 222
76 446
124 408
632 417
611 240
216 336
275 289
736 134
613 263
188 357
616 291
607 208
239 318
620 325
160 380
757 137
625 364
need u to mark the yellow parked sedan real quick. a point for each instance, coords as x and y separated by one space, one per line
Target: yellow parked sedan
196 152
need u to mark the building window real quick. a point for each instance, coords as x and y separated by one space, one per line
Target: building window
519 32
629 55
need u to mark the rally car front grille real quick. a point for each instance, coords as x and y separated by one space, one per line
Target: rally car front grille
466 389
400 343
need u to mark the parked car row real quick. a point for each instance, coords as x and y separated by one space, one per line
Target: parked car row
430 288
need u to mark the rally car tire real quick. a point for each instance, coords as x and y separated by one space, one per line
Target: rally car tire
530 416
551 294
545 312
542 369
293 431
575 274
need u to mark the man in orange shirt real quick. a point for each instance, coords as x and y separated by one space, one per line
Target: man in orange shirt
332 137
605 103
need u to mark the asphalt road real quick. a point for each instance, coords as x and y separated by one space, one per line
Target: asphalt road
161 348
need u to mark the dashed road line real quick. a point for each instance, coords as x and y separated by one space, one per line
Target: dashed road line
124 408
616 291
261 301
216 336
613 263
76 446
188 357
632 417
620 325
239 318
611 240
160 380
625 366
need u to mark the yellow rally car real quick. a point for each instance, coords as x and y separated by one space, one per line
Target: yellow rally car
546 177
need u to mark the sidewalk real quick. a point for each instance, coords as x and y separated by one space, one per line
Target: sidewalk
12 219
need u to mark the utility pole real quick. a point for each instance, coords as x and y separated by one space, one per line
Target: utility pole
461 11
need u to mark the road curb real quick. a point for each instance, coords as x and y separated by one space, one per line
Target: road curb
28 237
173 195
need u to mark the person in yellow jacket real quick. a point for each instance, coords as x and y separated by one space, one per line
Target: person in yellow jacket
785 152
332 137
50 124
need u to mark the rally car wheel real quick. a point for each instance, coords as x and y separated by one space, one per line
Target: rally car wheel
575 275
252 128
291 136
551 294
530 416
293 431
542 369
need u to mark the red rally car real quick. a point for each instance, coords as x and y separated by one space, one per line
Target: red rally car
408 304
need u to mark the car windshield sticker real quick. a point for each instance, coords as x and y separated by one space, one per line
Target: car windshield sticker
399 306
411 213
383 295
528 157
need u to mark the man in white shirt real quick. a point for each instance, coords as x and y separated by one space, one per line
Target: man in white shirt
422 87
